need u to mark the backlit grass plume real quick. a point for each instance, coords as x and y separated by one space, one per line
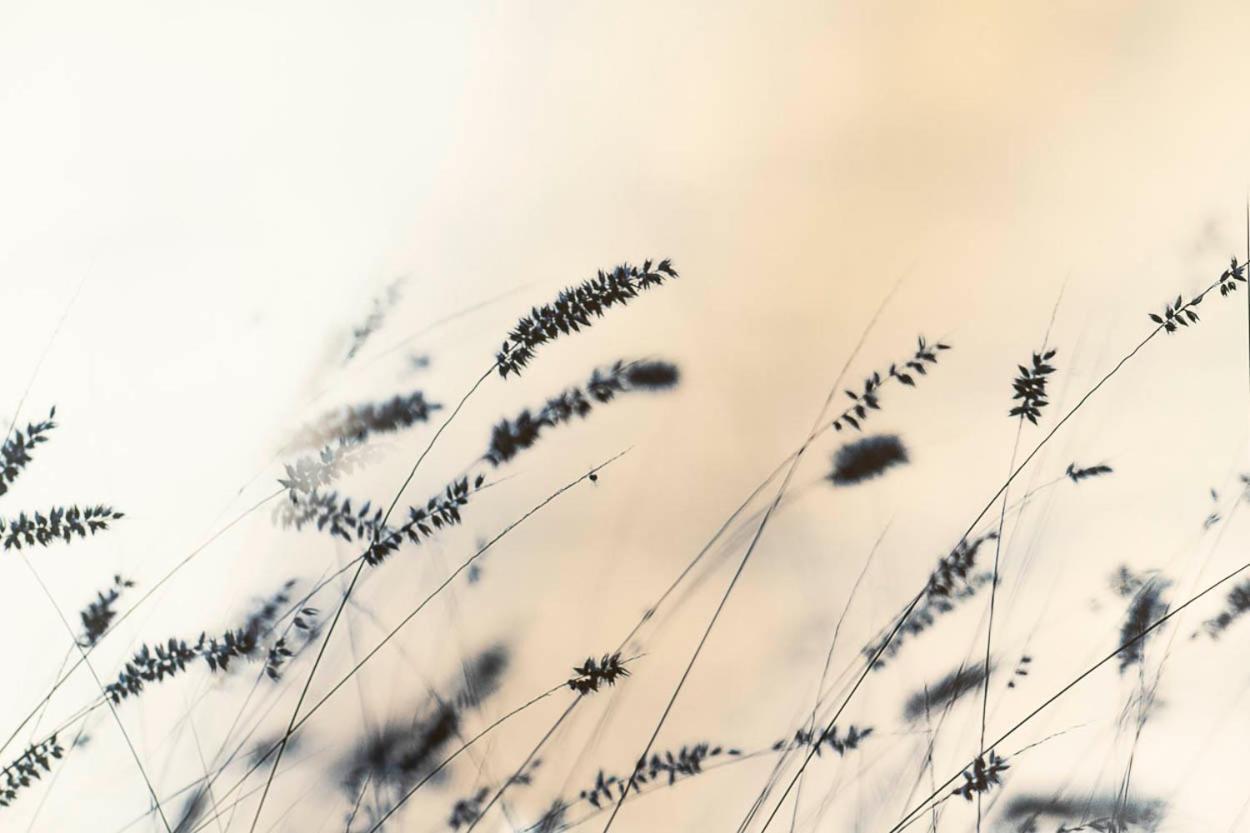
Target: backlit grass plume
668 766
483 675
99 614
15 453
826 738
652 375
155 663
59 524
982 776
368 419
512 436
1021 670
1146 606
466 812
1236 606
574 308
945 691
1180 313
310 473
440 512
1029 387
868 398
333 513
867 458
376 318
263 619
553 818
591 675
664 769
1076 473
399 753
453 731
953 580
1107 813
28 768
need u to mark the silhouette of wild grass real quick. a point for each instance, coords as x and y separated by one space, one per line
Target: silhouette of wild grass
1103 813
28 768
575 308
100 613
16 450
510 437
365 421
451 738
394 756
954 580
945 691
1147 604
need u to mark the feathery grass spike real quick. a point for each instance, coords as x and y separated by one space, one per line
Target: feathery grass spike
574 308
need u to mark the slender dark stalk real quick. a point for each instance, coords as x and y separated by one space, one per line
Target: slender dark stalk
1159 327
989 628
911 814
360 795
1031 387
443 764
837 714
199 751
371 359
325 640
447 581
412 473
824 676
533 752
820 417
43 799
928 758
729 521
733 516
126 615
296 724
34 374
666 770
716 536
134 753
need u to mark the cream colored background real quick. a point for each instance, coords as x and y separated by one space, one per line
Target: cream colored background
210 194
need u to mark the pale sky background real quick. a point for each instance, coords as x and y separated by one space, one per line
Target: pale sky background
199 201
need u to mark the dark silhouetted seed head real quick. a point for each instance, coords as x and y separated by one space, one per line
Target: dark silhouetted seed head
867 458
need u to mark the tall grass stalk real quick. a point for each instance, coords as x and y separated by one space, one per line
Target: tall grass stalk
1174 312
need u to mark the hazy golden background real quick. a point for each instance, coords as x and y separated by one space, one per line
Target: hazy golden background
210 194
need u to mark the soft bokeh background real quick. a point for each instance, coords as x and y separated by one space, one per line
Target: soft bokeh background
200 201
